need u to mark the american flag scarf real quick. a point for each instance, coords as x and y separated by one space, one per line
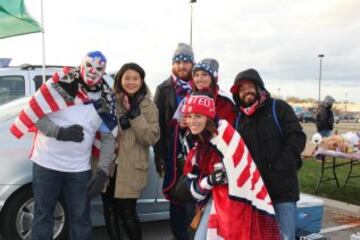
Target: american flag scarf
182 88
243 210
54 96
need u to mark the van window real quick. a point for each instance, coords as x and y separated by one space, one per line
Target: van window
11 87
38 80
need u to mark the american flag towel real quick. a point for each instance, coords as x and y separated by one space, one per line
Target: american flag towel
59 92
244 210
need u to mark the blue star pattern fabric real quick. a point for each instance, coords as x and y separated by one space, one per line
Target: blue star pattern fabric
183 58
105 106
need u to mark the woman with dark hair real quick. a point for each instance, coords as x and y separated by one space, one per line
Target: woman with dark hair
220 167
139 129
205 77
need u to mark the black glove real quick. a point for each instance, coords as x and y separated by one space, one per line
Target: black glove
134 112
74 133
124 122
217 177
96 183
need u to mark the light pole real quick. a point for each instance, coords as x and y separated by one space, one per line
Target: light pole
192 2
320 72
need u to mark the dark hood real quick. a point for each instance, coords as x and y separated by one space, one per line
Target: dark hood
249 74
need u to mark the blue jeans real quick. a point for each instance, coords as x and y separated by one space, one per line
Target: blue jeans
285 214
181 216
201 231
47 186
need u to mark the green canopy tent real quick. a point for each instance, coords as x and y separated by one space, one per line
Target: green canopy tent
14 20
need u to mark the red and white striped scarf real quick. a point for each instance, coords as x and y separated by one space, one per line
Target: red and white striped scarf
244 210
51 97
250 110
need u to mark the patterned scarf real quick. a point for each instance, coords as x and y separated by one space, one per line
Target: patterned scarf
182 88
258 103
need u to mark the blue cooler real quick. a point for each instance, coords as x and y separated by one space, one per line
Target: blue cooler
309 214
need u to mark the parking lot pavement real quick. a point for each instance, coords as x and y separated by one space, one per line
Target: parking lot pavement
339 224
310 129
159 230
340 220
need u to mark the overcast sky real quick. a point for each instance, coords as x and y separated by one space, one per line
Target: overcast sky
279 38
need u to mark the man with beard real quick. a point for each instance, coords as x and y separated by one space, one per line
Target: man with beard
169 156
275 140
74 113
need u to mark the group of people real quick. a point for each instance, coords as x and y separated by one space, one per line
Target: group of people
239 154
267 131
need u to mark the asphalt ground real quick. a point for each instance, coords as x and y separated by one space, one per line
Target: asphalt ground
337 224
340 128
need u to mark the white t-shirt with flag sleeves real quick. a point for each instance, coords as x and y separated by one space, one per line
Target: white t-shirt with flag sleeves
68 156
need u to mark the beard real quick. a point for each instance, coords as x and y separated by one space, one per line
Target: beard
183 74
246 101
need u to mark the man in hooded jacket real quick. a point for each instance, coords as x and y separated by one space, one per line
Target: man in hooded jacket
275 140
324 117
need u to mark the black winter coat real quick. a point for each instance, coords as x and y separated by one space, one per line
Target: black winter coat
324 118
165 100
276 155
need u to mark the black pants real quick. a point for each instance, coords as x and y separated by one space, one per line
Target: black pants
117 210
181 216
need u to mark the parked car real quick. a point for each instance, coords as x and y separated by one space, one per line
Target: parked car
306 117
16 199
348 118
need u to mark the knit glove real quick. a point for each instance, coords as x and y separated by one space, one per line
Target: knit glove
74 133
124 122
217 177
96 183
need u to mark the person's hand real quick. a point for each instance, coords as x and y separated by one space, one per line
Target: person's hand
134 112
74 133
126 102
96 183
218 177
124 122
